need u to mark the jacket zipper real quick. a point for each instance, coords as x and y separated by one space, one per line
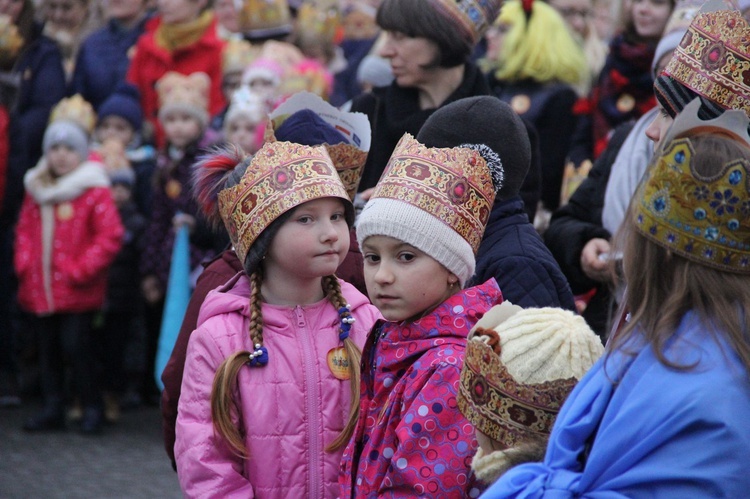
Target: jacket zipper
313 398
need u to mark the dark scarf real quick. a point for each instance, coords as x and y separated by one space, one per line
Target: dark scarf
397 112
625 89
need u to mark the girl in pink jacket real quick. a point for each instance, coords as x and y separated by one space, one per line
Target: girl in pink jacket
68 234
273 366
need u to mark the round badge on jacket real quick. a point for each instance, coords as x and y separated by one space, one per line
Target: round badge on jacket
173 189
338 363
520 103
625 103
65 211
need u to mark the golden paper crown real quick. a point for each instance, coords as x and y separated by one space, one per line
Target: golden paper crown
265 18
281 176
453 185
472 17
706 220
307 76
185 93
713 58
10 40
77 110
318 20
238 55
502 408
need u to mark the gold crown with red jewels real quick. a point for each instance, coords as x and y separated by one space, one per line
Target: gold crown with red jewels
704 218
281 176
713 58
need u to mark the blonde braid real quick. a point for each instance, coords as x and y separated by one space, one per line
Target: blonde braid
224 407
333 290
259 357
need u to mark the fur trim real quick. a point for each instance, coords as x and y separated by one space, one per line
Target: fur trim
46 189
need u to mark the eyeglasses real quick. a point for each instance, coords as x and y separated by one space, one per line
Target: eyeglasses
570 12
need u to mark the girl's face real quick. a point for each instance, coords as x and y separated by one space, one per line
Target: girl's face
312 243
11 8
62 159
116 128
66 14
243 132
408 56
650 17
179 11
576 14
226 15
181 128
124 10
402 281
658 128
495 36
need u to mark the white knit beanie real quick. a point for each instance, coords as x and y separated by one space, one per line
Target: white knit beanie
416 227
68 133
546 344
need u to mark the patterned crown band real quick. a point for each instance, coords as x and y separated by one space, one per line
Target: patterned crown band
713 58
504 410
348 159
706 220
453 185
281 176
474 17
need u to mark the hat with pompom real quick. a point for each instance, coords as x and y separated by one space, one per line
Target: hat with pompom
519 367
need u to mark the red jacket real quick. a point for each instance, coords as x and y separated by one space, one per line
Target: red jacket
152 61
84 236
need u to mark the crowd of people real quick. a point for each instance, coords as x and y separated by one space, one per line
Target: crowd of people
436 248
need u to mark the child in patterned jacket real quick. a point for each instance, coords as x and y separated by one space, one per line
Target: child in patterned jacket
419 234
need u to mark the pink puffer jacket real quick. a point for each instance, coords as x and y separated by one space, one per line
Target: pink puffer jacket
291 409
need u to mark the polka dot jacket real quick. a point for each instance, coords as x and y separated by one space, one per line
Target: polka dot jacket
411 439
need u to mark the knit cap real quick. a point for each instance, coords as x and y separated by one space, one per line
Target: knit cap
245 104
519 367
124 102
489 125
437 200
263 68
68 133
188 94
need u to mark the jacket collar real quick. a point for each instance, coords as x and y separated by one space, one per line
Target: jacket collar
45 190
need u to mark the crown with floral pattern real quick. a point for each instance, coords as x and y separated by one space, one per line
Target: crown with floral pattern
713 58
265 18
319 20
451 184
281 176
77 110
704 219
472 17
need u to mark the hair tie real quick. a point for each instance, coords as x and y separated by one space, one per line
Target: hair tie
345 316
259 357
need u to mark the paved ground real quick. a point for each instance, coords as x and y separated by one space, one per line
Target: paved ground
126 461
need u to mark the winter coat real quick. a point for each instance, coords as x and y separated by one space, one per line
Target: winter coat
290 409
578 222
549 107
103 60
172 193
68 234
411 439
514 254
152 61
124 281
42 85
634 427
394 110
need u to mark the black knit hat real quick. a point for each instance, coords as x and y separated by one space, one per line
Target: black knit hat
674 96
489 125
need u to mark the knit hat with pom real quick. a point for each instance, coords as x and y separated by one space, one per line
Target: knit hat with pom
519 367
490 126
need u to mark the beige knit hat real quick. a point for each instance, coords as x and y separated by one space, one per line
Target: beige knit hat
519 367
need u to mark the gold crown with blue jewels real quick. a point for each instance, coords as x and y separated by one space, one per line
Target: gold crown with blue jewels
704 218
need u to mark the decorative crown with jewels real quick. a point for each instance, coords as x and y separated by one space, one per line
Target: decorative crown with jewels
704 218
77 110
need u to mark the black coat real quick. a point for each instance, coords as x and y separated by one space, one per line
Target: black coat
394 110
514 254
578 222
